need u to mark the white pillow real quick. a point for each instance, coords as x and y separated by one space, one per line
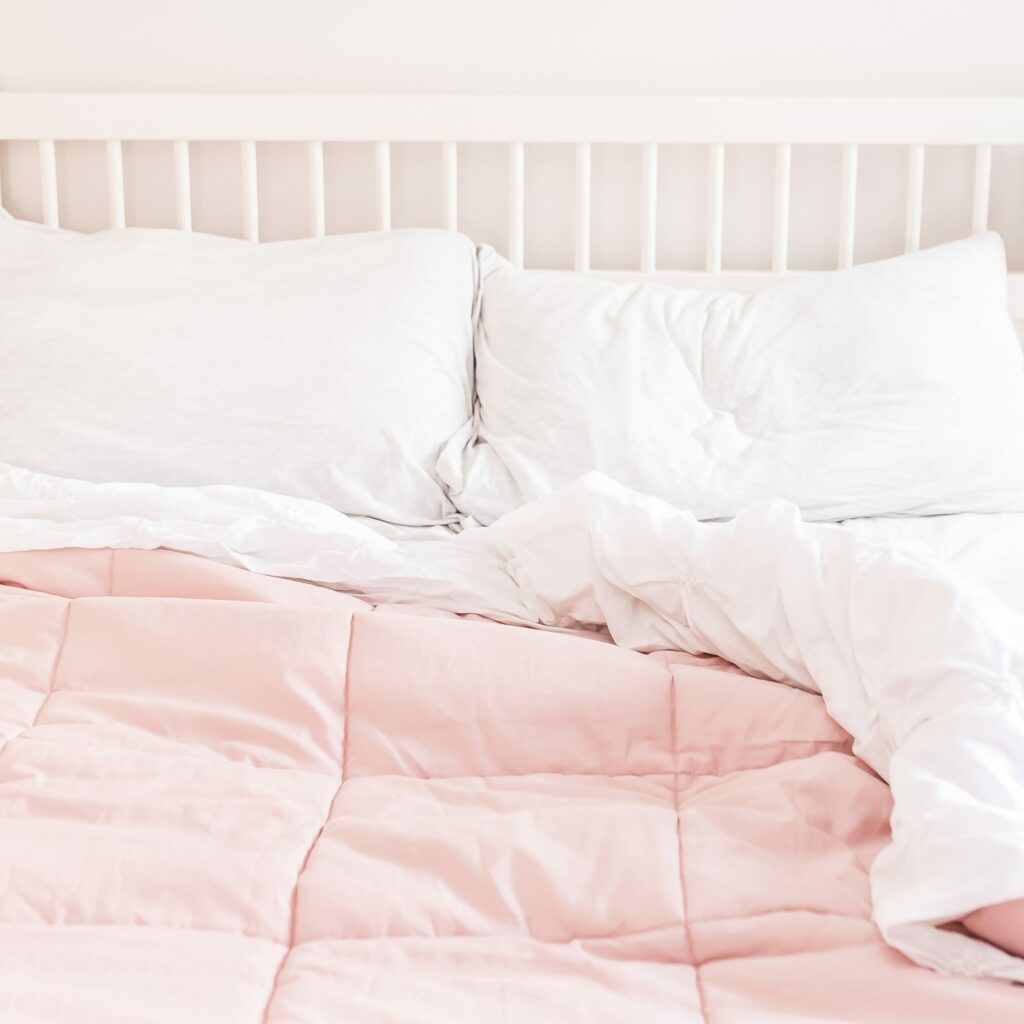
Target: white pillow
892 388
333 369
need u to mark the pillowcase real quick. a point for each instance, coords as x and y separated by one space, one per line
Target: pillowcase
892 388
332 369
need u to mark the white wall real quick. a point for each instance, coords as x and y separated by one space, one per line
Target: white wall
923 47
926 47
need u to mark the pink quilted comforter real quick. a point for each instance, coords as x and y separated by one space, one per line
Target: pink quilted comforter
237 800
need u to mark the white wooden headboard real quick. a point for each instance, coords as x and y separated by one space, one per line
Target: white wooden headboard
515 121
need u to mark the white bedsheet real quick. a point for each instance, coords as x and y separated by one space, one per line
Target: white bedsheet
921 661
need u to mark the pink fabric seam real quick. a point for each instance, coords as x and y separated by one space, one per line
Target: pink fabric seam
320 832
53 680
687 932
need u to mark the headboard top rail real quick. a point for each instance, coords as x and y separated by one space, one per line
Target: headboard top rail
463 118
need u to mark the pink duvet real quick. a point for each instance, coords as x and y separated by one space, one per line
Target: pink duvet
226 798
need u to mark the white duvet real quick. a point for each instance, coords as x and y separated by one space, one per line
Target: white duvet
920 659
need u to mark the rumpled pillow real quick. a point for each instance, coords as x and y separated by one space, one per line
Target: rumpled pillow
333 369
893 388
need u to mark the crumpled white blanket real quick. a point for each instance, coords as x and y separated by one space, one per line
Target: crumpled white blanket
921 663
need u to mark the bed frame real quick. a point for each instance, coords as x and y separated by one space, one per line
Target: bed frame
514 121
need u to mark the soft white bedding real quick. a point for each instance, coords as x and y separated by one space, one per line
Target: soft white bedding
896 387
920 662
328 368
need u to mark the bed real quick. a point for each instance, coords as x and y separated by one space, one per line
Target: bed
358 660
